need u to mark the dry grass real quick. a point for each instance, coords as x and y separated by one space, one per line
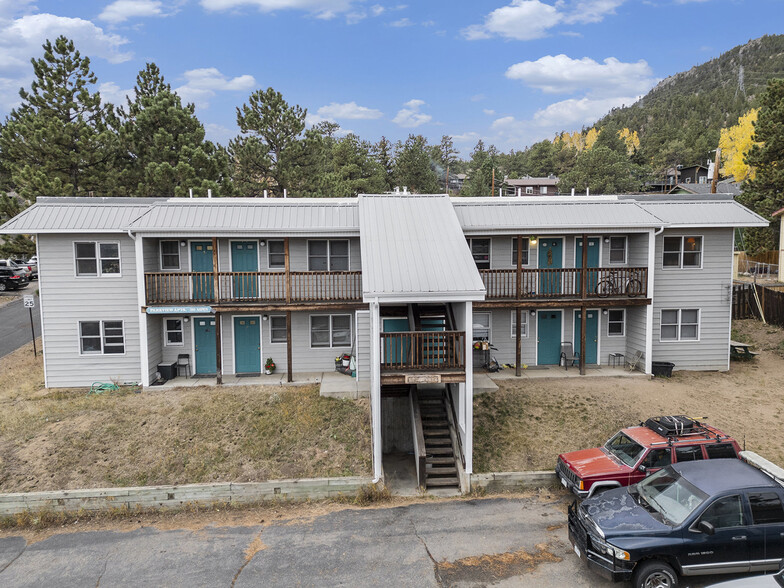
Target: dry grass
526 424
59 439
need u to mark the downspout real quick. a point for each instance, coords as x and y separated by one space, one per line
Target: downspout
141 299
649 314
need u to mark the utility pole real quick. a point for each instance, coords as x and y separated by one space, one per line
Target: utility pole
716 164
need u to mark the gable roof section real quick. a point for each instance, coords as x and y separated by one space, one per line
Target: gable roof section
704 213
290 216
78 215
413 250
505 215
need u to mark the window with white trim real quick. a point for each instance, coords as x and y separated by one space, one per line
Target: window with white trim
480 251
481 326
682 252
525 249
616 322
94 258
681 324
276 254
170 255
172 332
330 330
523 324
101 337
529 189
329 255
277 328
543 190
617 250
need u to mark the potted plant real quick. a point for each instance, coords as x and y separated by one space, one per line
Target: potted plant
269 366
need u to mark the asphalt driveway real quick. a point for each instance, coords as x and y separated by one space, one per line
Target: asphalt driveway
15 320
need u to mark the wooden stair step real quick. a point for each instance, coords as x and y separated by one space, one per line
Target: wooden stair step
442 482
436 432
433 451
438 442
435 422
440 460
441 471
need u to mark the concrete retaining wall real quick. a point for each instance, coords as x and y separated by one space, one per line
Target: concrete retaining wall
500 481
176 496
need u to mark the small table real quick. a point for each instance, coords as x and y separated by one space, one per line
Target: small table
616 359
741 351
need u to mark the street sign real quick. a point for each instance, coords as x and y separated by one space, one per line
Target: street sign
29 301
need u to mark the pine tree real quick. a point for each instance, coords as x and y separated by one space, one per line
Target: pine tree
412 166
163 144
61 140
483 163
383 153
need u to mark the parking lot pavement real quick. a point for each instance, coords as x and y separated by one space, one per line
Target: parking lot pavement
15 321
497 541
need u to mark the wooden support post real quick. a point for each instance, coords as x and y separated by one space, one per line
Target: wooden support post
215 277
519 261
287 269
288 342
583 328
218 345
518 344
584 272
716 166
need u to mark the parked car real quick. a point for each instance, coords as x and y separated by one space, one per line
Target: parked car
697 518
764 581
637 452
11 264
32 266
11 279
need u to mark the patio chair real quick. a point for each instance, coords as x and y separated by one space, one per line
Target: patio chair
184 363
568 354
631 363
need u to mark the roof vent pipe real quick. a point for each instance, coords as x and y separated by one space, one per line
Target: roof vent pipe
572 191
190 191
587 191
209 192
405 189
265 193
284 193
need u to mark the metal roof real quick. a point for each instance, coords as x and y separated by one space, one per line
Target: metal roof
529 181
413 249
78 215
722 187
251 215
703 213
505 215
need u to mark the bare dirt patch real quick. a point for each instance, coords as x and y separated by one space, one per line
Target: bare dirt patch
526 424
61 439
493 568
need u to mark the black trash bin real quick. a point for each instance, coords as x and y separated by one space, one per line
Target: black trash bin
167 370
662 368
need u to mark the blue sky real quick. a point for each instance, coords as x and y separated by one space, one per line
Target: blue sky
510 72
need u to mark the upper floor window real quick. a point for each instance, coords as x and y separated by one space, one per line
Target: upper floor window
480 251
276 254
682 252
524 250
328 255
101 337
680 324
170 255
94 258
617 249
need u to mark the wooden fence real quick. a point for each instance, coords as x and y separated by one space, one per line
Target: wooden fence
744 303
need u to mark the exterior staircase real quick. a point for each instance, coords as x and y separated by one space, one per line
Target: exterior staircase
438 429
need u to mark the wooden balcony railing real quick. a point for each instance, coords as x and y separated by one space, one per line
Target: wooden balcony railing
238 287
423 351
502 284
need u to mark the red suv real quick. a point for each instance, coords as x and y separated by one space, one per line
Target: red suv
636 452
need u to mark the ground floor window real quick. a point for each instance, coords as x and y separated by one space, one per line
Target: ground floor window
682 324
481 326
101 337
523 324
278 329
616 322
172 330
333 330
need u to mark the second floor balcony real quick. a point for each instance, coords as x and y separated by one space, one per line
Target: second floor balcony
253 287
565 283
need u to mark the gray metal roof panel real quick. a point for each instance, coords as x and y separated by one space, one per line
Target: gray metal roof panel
414 249
77 215
704 213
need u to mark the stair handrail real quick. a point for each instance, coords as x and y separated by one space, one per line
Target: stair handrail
454 430
420 454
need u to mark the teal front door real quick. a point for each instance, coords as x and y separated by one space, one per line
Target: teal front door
548 330
204 341
247 345
396 348
550 258
591 335
245 264
201 262
593 261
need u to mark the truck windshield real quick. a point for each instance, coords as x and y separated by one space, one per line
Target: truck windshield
625 449
669 494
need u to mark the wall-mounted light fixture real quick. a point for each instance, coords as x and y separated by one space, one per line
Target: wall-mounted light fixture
533 240
533 313
264 317
604 311
606 239
186 320
262 243
183 243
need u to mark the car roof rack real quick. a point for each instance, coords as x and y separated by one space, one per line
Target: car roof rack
765 466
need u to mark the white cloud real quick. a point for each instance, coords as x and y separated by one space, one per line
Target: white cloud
11 8
122 10
377 10
403 22
578 111
325 9
348 110
477 97
488 111
558 74
111 92
220 134
409 116
202 84
525 20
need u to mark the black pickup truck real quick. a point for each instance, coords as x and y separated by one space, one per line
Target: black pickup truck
693 518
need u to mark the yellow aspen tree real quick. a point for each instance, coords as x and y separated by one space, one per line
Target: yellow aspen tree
590 137
630 139
735 143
